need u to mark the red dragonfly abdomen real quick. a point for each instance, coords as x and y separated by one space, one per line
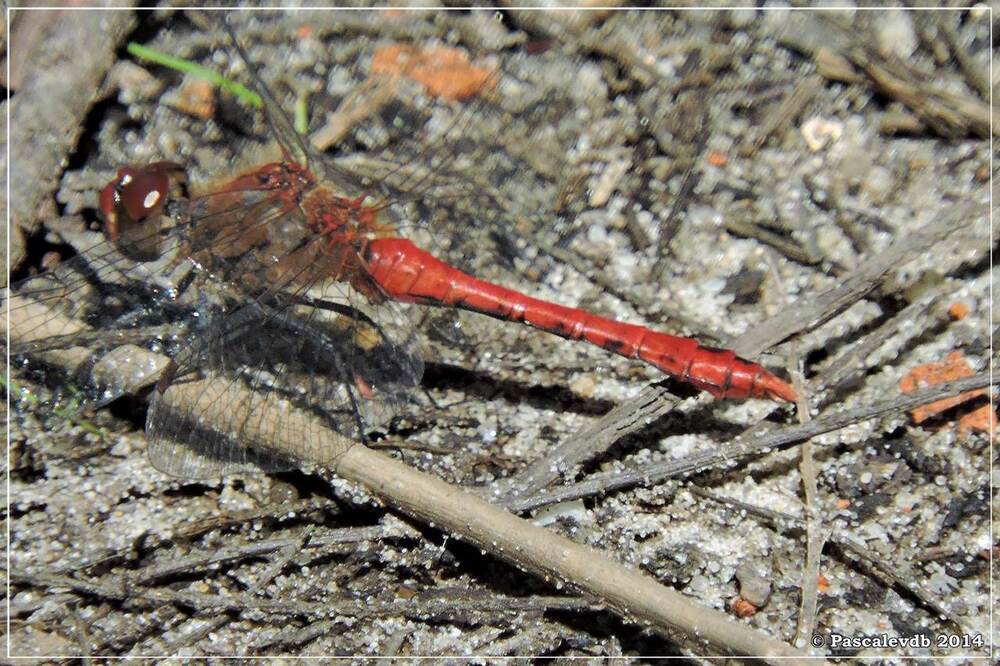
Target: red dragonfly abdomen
407 273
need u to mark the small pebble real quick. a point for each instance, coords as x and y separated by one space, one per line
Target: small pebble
896 35
583 386
879 184
755 586
818 132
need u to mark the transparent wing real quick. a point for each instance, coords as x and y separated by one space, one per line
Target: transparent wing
102 317
339 366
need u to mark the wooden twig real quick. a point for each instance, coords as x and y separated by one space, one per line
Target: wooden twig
627 418
219 556
783 243
423 606
653 473
810 582
815 531
813 311
856 358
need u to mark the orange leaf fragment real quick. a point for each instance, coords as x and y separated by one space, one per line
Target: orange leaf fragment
823 584
717 159
983 419
958 310
955 366
742 608
443 72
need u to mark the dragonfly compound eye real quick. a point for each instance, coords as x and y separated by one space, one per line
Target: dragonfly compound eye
133 203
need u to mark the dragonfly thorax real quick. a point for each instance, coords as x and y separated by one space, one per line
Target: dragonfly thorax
342 220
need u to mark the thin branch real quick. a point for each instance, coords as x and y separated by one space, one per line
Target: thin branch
423 606
620 422
216 557
653 473
817 534
812 311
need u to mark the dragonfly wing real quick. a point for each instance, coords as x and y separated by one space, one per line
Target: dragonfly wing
319 353
181 444
100 315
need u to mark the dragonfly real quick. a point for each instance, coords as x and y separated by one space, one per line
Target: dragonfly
296 283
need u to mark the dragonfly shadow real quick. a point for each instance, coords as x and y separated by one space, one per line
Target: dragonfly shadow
486 387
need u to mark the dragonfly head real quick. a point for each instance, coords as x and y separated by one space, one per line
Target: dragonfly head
135 203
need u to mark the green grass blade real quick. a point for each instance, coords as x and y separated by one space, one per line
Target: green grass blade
188 67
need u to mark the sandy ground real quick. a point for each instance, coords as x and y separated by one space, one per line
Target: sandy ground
702 173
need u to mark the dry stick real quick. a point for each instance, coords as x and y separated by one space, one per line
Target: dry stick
974 76
856 358
800 96
215 557
816 532
652 473
426 605
620 422
783 243
633 596
810 579
808 313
